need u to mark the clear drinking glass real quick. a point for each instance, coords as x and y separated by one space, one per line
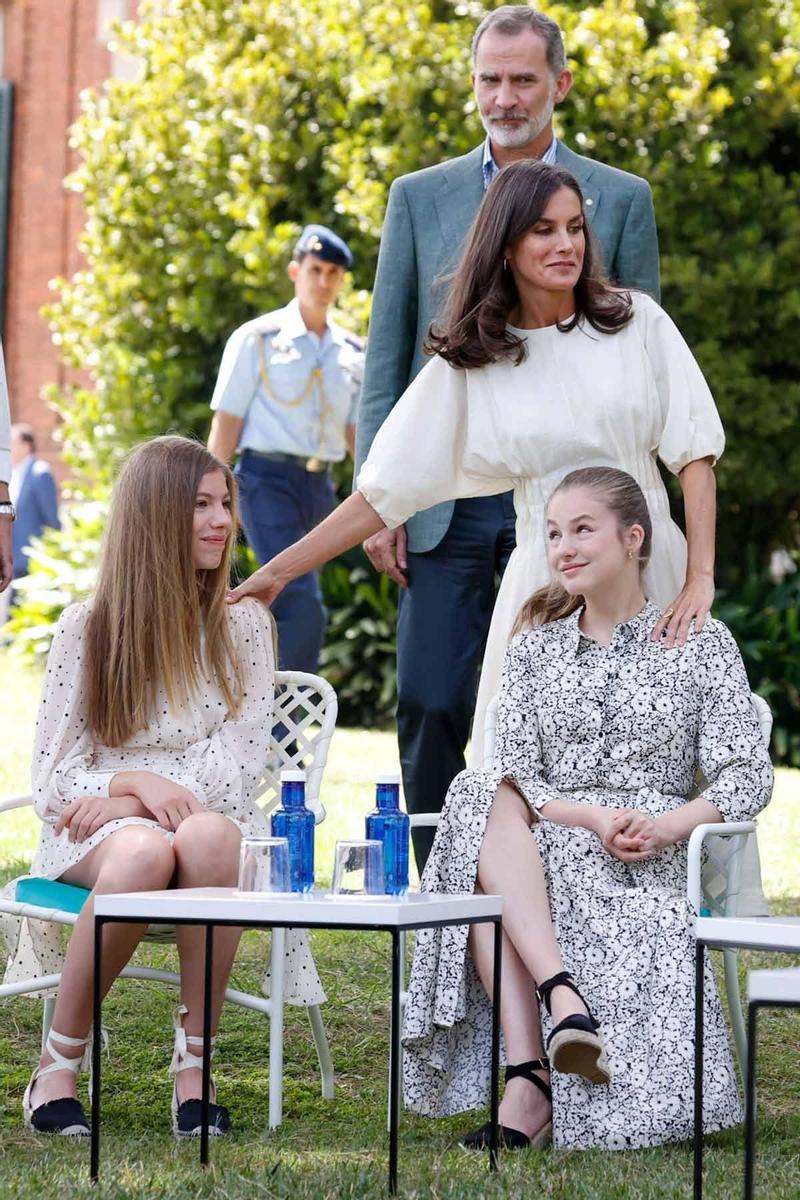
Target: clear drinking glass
264 865
358 868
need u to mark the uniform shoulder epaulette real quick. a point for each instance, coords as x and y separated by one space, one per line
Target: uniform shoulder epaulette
266 328
353 340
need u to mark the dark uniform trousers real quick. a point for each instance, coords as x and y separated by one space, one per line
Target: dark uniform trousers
280 503
442 625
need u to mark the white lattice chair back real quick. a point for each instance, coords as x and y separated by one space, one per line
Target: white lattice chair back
731 871
303 722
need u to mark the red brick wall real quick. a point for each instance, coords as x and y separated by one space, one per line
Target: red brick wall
52 52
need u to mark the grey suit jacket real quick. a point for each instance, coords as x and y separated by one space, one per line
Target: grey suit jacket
427 219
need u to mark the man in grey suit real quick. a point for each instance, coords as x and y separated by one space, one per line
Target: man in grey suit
448 560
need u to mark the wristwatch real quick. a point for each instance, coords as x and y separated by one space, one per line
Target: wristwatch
7 510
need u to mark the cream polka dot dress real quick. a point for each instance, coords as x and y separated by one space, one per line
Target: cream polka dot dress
220 759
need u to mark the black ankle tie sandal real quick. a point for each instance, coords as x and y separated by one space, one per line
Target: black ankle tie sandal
513 1139
573 1046
64 1116
187 1117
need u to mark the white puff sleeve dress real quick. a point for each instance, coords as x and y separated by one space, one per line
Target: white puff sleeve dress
578 399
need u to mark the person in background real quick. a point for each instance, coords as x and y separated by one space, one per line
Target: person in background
6 507
447 558
286 398
33 494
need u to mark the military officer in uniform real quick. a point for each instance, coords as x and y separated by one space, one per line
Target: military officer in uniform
286 398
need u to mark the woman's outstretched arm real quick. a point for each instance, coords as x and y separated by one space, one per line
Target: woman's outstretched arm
348 526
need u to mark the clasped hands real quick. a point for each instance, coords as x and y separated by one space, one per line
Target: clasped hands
139 794
630 835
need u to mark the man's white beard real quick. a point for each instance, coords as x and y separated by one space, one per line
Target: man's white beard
522 132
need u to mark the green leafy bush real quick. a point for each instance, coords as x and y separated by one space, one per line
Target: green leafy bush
63 568
359 653
764 617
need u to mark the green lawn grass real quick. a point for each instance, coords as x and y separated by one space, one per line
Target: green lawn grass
338 1149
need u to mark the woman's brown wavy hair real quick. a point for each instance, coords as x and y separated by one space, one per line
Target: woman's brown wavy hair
155 619
623 497
474 329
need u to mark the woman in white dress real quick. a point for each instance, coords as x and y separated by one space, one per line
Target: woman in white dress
600 735
540 367
152 737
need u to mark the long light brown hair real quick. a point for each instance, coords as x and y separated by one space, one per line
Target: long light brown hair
622 496
155 619
483 293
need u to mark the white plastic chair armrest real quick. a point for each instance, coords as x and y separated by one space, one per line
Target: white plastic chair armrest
694 865
11 802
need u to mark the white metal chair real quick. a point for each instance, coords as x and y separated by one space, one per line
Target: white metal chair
304 719
714 878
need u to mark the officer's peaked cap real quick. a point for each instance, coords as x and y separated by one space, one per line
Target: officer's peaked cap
319 240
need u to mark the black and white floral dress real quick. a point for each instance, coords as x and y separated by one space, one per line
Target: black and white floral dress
628 725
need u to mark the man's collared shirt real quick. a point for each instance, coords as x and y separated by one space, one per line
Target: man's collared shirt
490 167
296 391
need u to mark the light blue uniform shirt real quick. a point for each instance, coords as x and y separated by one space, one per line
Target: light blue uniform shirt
296 391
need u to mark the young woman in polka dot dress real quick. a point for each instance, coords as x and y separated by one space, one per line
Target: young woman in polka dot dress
152 737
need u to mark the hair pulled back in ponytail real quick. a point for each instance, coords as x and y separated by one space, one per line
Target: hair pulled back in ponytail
622 495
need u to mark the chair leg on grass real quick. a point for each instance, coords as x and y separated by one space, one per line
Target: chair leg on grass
48 1008
735 1008
323 1050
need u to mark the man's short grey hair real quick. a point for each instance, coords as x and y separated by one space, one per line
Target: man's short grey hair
513 19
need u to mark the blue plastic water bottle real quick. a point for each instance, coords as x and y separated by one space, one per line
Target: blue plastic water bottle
389 824
295 822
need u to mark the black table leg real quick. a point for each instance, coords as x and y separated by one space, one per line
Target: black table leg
394 1078
97 1046
699 999
209 965
750 1103
495 1082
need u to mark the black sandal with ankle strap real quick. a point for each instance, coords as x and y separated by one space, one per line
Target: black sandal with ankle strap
573 1046
513 1139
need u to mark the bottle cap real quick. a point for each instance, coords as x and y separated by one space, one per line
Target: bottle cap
388 777
293 776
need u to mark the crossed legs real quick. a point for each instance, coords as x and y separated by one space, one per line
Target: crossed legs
510 865
135 858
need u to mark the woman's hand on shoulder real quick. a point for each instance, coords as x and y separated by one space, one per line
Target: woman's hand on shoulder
264 584
84 817
167 802
693 604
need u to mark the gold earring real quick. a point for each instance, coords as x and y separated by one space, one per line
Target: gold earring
630 554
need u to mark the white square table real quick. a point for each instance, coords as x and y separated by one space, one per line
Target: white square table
776 934
315 910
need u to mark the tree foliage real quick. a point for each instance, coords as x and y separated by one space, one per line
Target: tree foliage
250 119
